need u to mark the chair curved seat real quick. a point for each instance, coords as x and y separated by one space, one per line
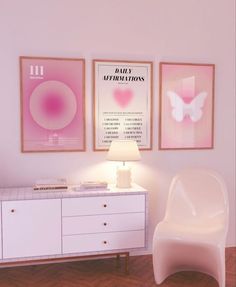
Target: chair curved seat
193 232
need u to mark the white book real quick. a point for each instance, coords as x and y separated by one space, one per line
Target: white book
93 185
51 181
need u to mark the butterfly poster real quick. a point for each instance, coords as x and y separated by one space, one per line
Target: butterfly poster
122 100
52 104
186 106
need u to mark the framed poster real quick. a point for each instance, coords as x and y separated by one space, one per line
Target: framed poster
186 106
52 104
122 98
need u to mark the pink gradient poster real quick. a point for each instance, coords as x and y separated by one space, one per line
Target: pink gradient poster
122 103
186 106
52 104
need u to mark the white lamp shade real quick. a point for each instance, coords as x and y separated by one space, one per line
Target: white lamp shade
123 150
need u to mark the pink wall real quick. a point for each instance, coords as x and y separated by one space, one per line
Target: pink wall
196 31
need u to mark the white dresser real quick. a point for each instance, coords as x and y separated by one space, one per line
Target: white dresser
53 226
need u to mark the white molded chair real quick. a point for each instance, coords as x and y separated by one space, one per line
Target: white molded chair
193 233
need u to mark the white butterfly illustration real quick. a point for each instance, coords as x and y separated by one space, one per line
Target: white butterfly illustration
180 109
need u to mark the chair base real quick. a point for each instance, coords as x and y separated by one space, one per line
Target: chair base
170 257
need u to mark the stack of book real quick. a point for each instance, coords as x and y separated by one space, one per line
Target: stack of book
50 184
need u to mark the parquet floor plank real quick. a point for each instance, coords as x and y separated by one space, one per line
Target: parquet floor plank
104 273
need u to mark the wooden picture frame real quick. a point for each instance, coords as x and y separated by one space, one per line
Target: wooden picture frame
52 104
122 102
186 106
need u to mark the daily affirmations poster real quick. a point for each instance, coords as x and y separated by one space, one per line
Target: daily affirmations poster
122 103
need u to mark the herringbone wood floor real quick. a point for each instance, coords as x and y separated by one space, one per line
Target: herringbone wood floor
103 273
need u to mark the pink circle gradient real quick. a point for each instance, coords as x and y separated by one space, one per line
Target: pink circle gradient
53 105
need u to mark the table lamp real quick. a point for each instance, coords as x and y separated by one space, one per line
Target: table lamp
123 150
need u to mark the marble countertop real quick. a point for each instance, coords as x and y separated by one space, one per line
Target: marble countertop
27 193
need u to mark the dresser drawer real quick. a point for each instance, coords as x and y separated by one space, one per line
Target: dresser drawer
103 205
103 223
103 241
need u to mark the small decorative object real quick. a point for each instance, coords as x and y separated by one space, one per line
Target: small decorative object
123 150
122 101
52 104
186 106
